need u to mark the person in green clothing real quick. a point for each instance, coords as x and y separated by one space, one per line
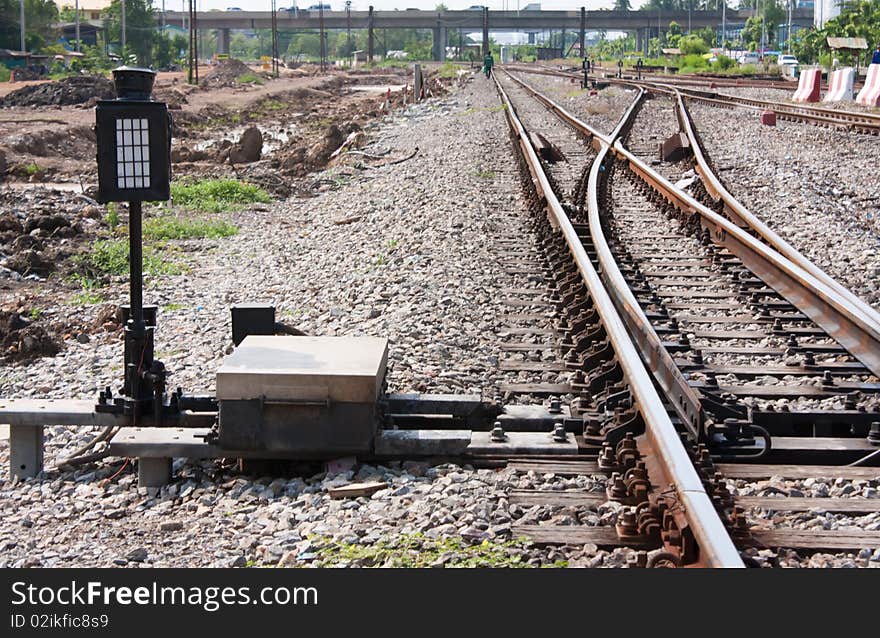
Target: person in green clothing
488 63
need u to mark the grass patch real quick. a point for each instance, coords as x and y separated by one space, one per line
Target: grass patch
216 195
159 228
484 173
32 169
35 313
271 105
171 307
417 550
249 78
87 298
110 257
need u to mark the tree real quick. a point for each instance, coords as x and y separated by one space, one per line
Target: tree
39 17
140 25
622 5
692 45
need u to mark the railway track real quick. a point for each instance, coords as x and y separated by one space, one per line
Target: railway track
761 359
862 122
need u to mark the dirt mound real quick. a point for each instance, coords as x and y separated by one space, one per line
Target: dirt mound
24 340
74 142
40 229
226 73
78 89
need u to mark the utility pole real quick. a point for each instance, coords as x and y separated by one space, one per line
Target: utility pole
763 30
485 31
788 30
690 8
192 58
370 35
23 49
581 33
348 28
321 25
124 61
76 24
723 22
274 39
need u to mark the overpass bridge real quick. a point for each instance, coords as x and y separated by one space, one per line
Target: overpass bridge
644 24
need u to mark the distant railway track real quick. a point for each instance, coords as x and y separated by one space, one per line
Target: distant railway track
763 362
862 122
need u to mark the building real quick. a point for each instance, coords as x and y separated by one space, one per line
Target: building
88 9
825 10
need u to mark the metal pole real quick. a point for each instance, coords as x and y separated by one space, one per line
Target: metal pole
788 30
274 39
348 28
582 32
124 61
23 49
485 31
370 35
321 24
136 255
723 22
76 22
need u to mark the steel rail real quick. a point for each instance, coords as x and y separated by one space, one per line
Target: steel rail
864 122
739 213
833 312
715 546
684 399
842 316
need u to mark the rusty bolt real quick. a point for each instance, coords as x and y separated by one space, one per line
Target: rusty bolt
559 434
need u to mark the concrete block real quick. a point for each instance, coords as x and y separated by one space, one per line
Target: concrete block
154 471
338 369
25 451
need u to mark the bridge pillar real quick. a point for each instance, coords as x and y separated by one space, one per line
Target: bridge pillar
370 35
223 41
439 43
640 36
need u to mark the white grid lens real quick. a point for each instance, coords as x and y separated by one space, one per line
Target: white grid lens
132 153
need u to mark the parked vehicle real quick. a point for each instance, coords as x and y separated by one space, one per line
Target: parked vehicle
749 57
318 7
786 59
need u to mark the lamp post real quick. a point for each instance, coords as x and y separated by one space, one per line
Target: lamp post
133 137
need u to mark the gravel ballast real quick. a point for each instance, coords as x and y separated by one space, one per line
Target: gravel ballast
825 203
403 251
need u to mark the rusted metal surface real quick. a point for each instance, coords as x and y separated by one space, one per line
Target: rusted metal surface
684 517
835 313
744 217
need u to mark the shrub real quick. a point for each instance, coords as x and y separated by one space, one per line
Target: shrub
692 45
723 63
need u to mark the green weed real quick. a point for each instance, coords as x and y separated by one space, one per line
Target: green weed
112 216
249 78
216 195
485 173
110 257
166 227
417 550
